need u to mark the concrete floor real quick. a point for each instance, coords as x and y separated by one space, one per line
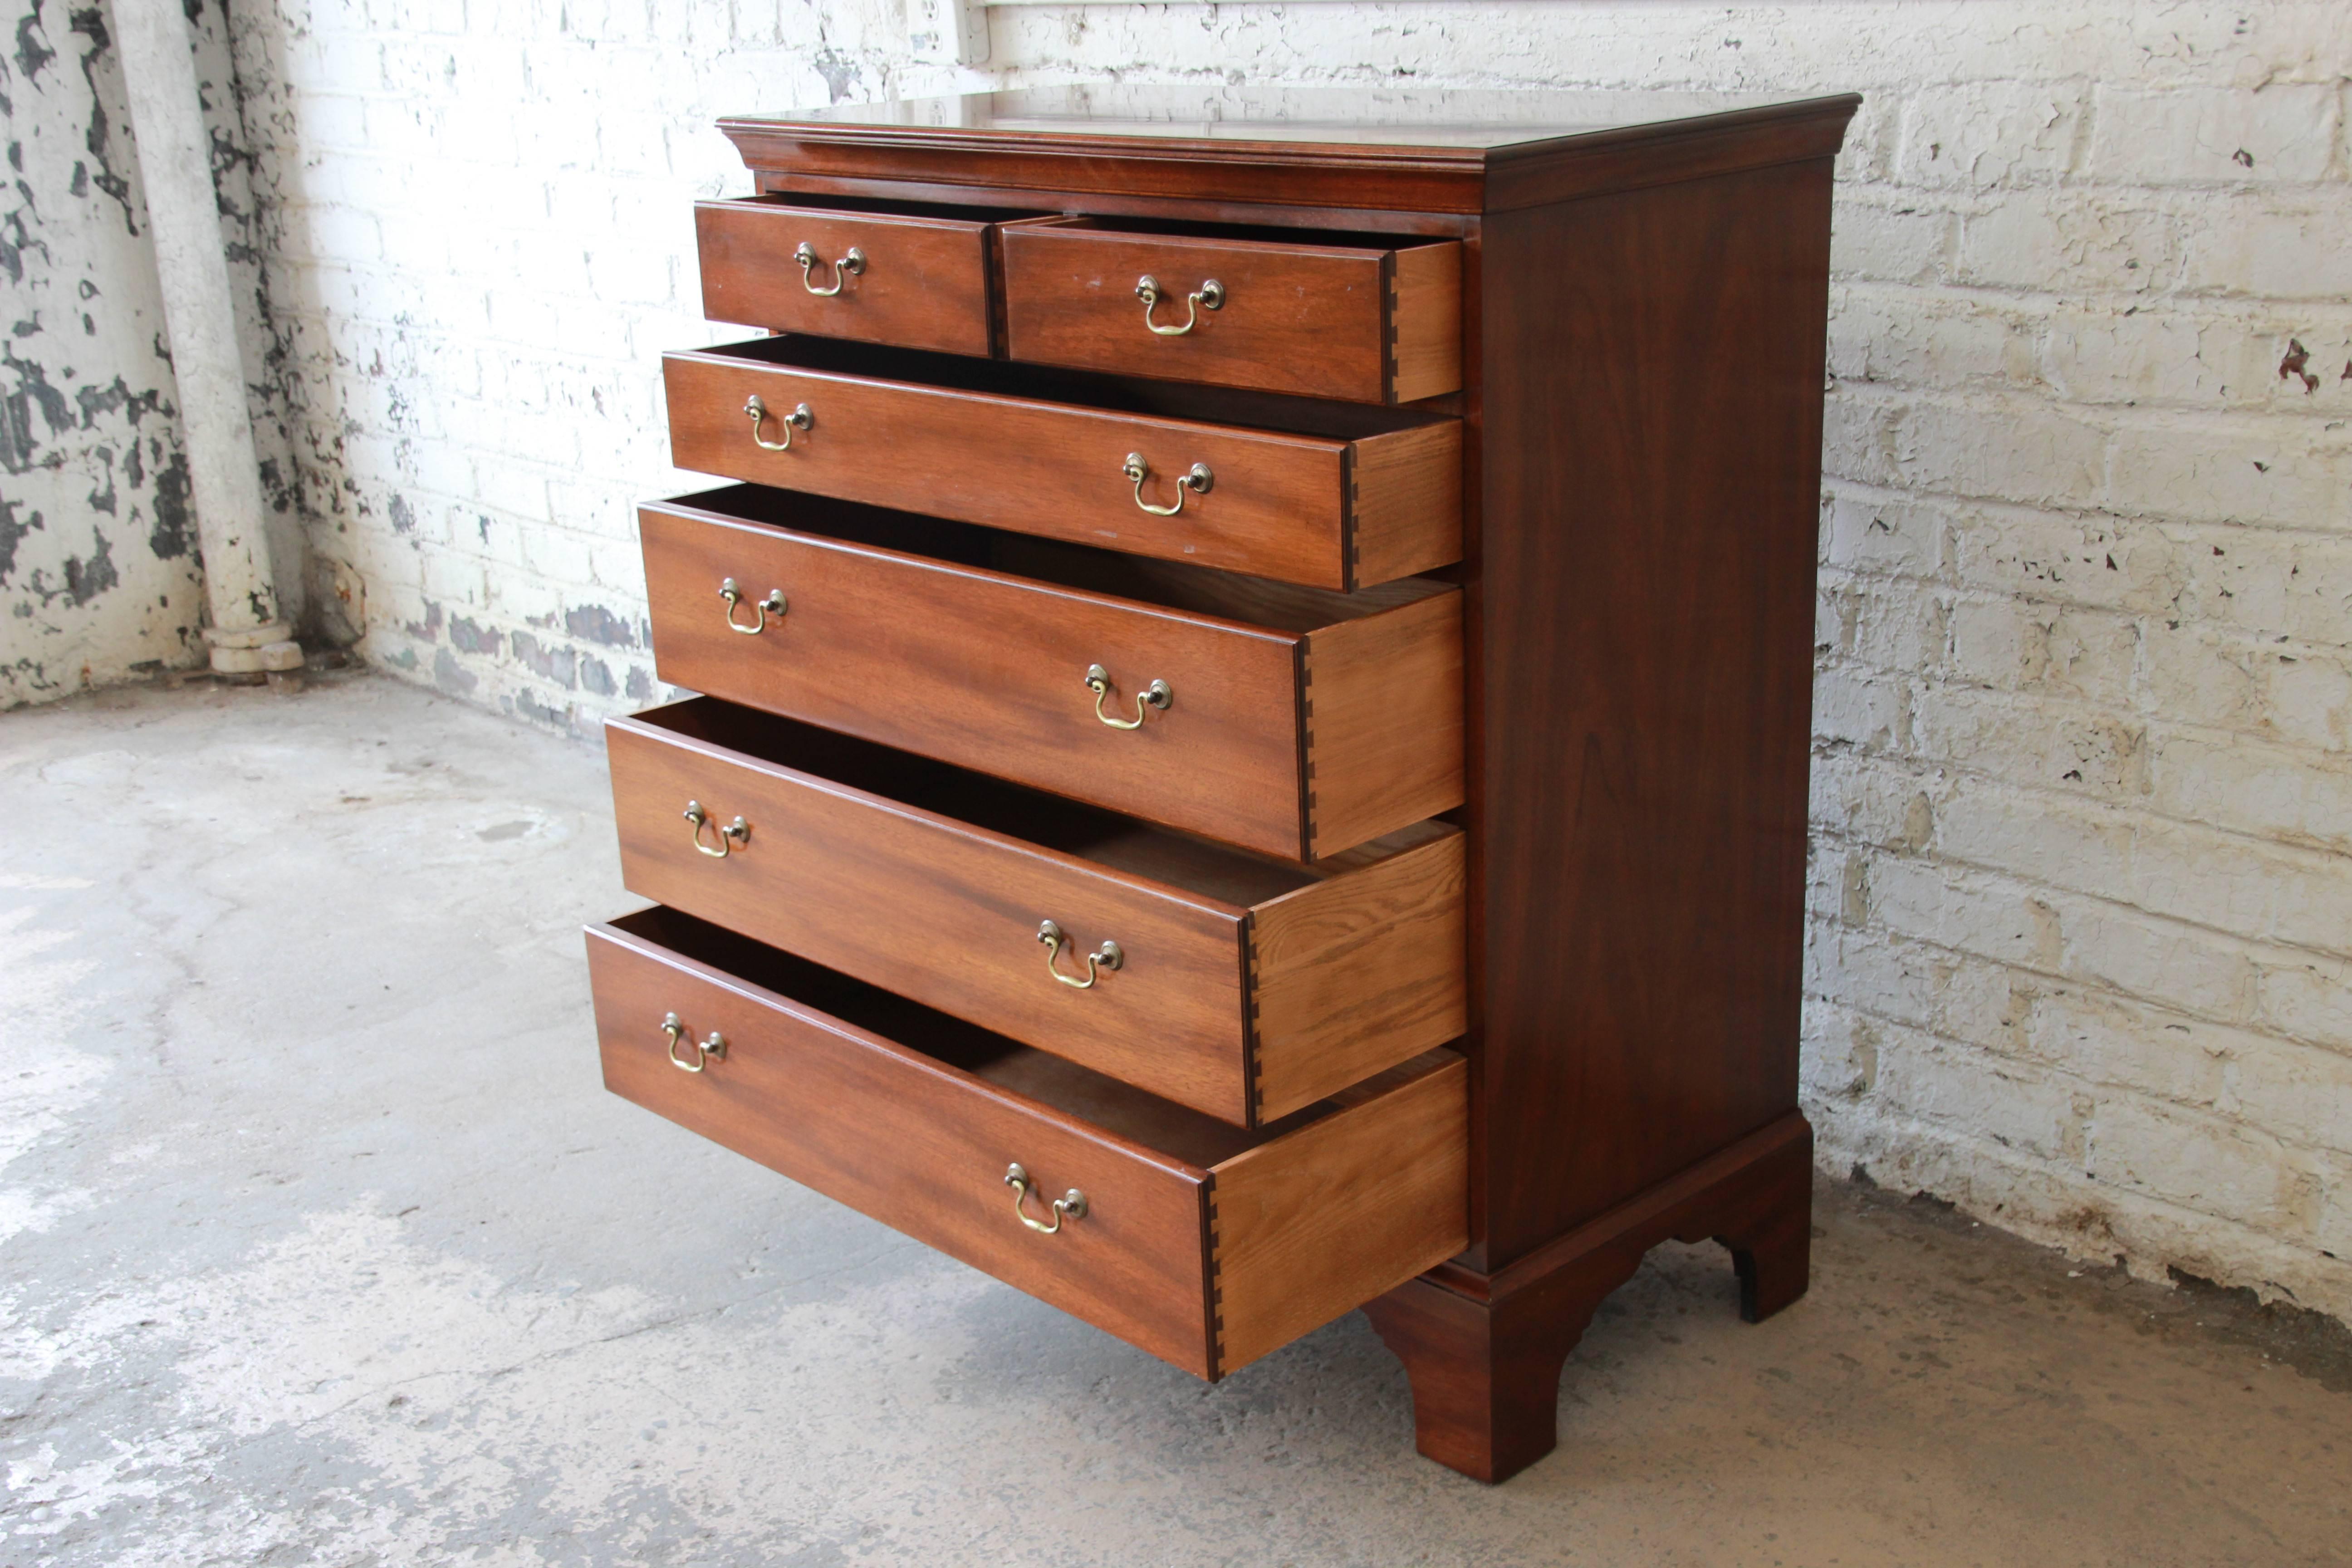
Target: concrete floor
321 1243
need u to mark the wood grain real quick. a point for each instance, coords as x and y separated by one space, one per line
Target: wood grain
1485 1351
933 882
1646 652
926 282
911 1117
986 668
1308 319
1072 163
1425 322
1353 975
1320 1221
1276 507
1384 722
1405 487
913 1141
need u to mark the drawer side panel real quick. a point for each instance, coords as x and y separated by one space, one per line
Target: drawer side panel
1320 1221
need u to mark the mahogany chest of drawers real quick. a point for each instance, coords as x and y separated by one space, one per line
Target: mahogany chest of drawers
1256 679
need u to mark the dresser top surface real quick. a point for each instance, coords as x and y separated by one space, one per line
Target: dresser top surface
1372 149
1466 121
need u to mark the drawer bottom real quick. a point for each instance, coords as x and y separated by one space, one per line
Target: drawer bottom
1201 1242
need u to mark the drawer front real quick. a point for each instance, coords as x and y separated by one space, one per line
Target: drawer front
918 1145
1275 505
989 672
942 914
922 283
1366 325
1205 1246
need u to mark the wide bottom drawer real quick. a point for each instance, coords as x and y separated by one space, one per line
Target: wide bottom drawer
1206 1245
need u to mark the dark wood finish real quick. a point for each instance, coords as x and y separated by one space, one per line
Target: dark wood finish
1319 320
937 653
1250 988
999 444
1359 220
912 1118
1641 286
1646 576
960 148
1484 1354
926 283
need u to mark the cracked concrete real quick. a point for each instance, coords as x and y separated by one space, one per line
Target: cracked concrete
321 1243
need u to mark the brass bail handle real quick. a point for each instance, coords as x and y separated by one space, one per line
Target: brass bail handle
843 270
1196 481
713 1049
1156 695
799 418
1070 1205
730 836
774 604
1210 296
1109 956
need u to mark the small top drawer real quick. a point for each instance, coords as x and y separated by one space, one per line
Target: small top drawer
903 273
1370 319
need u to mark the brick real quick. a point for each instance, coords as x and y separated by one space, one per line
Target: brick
1981 133
2017 645
2213 135
1920 337
2202 1163
2253 786
2009 448
1882 533
1890 236
2071 239
2279 245
2294 474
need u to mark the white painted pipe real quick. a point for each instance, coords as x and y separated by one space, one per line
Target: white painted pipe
175 167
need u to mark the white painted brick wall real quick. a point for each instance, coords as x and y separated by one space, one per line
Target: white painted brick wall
2082 892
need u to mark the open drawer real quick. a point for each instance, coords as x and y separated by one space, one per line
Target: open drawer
1202 1244
1371 318
878 272
1289 719
1241 987
1325 494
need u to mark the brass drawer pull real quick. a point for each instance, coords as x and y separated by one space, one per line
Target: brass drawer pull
713 1049
1156 695
774 604
1111 955
851 263
1210 295
1197 481
1071 1205
799 418
732 834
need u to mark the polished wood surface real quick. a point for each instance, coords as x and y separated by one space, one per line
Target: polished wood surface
1320 1221
1559 591
933 882
926 282
1484 1352
1645 650
1424 345
1362 153
987 669
912 1118
1384 720
1016 449
1324 320
1344 972
918 1142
